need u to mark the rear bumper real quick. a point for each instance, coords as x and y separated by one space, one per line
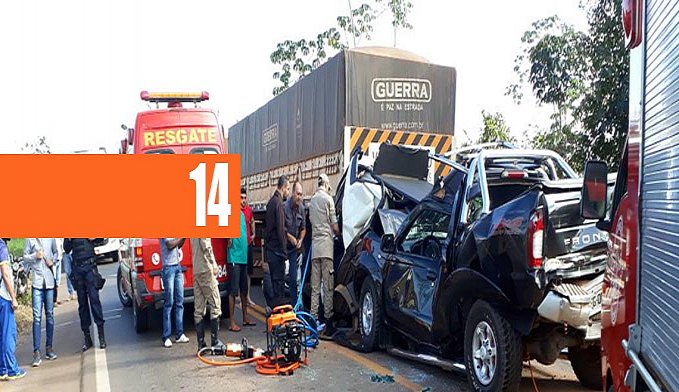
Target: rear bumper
146 299
577 305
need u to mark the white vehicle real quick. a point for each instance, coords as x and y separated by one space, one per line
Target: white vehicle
108 247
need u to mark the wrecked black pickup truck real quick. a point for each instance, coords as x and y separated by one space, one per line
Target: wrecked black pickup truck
490 265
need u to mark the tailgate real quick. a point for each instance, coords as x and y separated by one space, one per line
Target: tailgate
567 231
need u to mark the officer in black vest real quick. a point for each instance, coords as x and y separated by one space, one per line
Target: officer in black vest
83 278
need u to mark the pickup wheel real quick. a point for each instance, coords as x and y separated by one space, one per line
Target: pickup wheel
141 318
115 256
492 350
369 315
123 295
586 364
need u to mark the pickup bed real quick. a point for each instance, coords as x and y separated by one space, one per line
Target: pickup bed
494 264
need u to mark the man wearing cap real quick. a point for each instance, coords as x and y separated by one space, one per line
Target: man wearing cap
323 229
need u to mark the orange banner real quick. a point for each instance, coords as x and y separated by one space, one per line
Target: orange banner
118 196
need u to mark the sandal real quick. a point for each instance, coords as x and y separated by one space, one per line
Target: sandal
249 324
234 329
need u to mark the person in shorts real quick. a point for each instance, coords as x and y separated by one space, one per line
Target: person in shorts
237 257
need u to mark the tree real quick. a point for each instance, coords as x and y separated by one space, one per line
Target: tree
298 58
39 147
585 77
604 110
494 129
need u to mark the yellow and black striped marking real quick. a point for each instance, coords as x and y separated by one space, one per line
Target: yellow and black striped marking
362 137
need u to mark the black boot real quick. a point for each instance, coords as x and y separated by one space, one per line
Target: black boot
214 333
88 341
200 335
102 338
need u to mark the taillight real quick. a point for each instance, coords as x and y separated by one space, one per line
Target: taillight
367 244
138 259
536 230
514 174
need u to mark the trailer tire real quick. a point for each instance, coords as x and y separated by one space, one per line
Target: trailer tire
586 364
491 340
369 315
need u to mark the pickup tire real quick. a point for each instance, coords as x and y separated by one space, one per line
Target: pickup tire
369 315
141 318
124 296
586 364
492 350
115 256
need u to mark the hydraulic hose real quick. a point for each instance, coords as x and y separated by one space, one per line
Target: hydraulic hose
227 363
308 321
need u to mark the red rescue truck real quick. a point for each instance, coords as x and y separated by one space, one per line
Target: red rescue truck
171 130
640 303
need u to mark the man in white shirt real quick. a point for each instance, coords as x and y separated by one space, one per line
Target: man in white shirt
41 254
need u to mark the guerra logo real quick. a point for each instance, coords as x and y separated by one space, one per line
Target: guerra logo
270 138
400 90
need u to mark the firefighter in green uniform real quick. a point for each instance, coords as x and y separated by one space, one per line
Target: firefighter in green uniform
206 290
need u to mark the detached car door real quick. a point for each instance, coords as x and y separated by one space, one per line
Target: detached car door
412 271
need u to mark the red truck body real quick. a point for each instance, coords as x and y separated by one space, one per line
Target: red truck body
174 130
640 304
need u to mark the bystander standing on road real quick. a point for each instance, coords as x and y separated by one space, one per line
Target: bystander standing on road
237 257
276 240
323 229
206 290
9 368
173 285
41 254
84 277
250 225
57 269
67 264
295 227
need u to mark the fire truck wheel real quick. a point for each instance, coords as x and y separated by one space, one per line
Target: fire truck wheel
141 318
492 350
123 295
586 364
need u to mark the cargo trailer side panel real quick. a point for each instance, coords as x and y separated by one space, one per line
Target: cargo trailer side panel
658 315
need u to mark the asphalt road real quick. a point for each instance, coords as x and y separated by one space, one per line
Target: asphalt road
138 362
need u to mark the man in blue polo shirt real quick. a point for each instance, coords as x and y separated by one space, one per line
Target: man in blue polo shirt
9 368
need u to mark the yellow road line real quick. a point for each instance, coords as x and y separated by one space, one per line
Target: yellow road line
372 365
258 313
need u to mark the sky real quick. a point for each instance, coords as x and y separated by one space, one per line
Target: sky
72 70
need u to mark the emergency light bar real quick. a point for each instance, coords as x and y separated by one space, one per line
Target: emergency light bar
174 97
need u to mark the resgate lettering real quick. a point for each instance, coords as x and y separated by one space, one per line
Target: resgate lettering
168 137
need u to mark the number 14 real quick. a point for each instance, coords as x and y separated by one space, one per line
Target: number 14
220 183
